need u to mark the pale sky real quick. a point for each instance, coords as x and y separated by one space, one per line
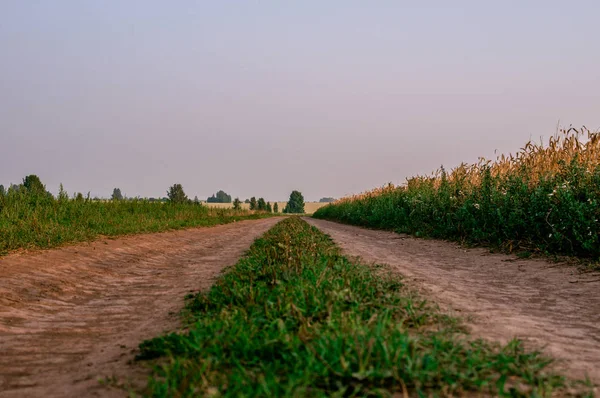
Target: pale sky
260 98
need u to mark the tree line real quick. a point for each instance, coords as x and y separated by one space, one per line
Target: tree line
33 187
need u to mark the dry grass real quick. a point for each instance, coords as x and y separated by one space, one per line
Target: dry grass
309 207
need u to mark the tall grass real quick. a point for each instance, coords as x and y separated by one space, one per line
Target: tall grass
294 318
38 220
544 198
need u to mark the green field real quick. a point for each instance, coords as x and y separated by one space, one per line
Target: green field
38 220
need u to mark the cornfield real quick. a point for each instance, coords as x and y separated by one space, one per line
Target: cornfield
543 198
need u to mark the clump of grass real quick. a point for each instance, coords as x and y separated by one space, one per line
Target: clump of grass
295 318
38 220
543 199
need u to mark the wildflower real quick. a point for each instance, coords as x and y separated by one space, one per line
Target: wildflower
476 205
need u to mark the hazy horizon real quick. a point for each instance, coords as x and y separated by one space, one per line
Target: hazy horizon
260 99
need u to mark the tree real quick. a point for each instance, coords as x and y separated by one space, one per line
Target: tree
33 185
261 204
237 204
275 208
79 197
295 204
269 208
220 197
253 203
2 190
117 195
176 194
196 200
326 200
247 201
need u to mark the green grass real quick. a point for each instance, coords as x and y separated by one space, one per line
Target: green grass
40 221
295 318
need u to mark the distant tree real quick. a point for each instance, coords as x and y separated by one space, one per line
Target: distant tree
269 208
33 185
220 197
275 208
253 203
79 197
196 200
117 195
295 204
247 201
261 204
176 194
2 190
326 200
237 204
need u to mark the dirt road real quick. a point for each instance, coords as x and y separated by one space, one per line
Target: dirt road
550 306
71 316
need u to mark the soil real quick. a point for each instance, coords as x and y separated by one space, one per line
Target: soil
72 316
552 307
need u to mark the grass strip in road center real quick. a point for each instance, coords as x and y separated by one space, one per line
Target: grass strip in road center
295 318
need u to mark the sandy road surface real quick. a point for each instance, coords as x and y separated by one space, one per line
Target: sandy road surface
550 306
73 315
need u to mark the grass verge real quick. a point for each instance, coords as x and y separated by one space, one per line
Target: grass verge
295 318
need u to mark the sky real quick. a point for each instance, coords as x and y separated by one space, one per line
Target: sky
261 98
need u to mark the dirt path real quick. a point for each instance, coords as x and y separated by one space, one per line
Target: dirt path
71 316
550 306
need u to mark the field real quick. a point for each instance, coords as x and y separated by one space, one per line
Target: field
38 220
134 299
544 199
309 207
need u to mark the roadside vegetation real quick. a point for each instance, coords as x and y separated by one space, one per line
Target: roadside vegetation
31 217
295 318
543 199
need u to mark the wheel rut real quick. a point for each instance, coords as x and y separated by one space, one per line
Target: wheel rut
552 307
74 315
